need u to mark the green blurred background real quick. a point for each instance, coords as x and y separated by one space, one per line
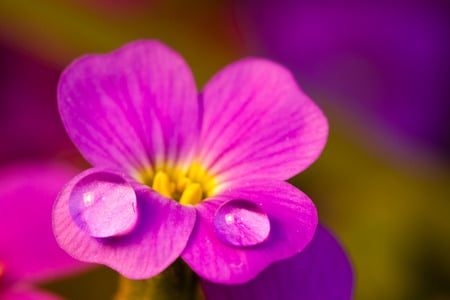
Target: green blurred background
389 207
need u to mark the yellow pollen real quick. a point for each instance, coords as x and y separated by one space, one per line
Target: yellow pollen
188 188
192 194
182 183
161 184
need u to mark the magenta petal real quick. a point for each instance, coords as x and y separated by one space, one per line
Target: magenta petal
258 123
320 272
292 216
158 238
131 108
28 250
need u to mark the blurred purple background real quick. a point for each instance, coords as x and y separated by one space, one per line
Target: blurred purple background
386 63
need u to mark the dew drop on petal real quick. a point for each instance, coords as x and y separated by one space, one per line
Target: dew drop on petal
103 205
241 223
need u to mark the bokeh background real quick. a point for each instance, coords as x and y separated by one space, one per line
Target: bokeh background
379 69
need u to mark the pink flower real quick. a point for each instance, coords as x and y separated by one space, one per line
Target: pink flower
28 251
178 173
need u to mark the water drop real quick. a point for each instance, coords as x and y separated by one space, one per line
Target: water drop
241 223
103 205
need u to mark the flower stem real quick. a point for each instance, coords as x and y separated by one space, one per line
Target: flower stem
176 282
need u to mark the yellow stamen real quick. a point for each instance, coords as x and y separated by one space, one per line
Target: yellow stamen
188 186
162 184
199 174
192 194
182 183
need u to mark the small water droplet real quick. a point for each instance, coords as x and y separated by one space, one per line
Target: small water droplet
241 223
103 205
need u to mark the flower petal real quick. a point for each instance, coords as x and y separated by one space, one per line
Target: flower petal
293 219
131 108
28 250
258 123
159 236
320 272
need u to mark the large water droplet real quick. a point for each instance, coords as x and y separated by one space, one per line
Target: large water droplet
241 223
103 205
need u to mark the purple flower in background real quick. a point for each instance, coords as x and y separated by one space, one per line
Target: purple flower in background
28 250
387 62
320 272
176 173
29 122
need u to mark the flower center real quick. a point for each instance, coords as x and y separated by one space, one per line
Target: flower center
188 188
